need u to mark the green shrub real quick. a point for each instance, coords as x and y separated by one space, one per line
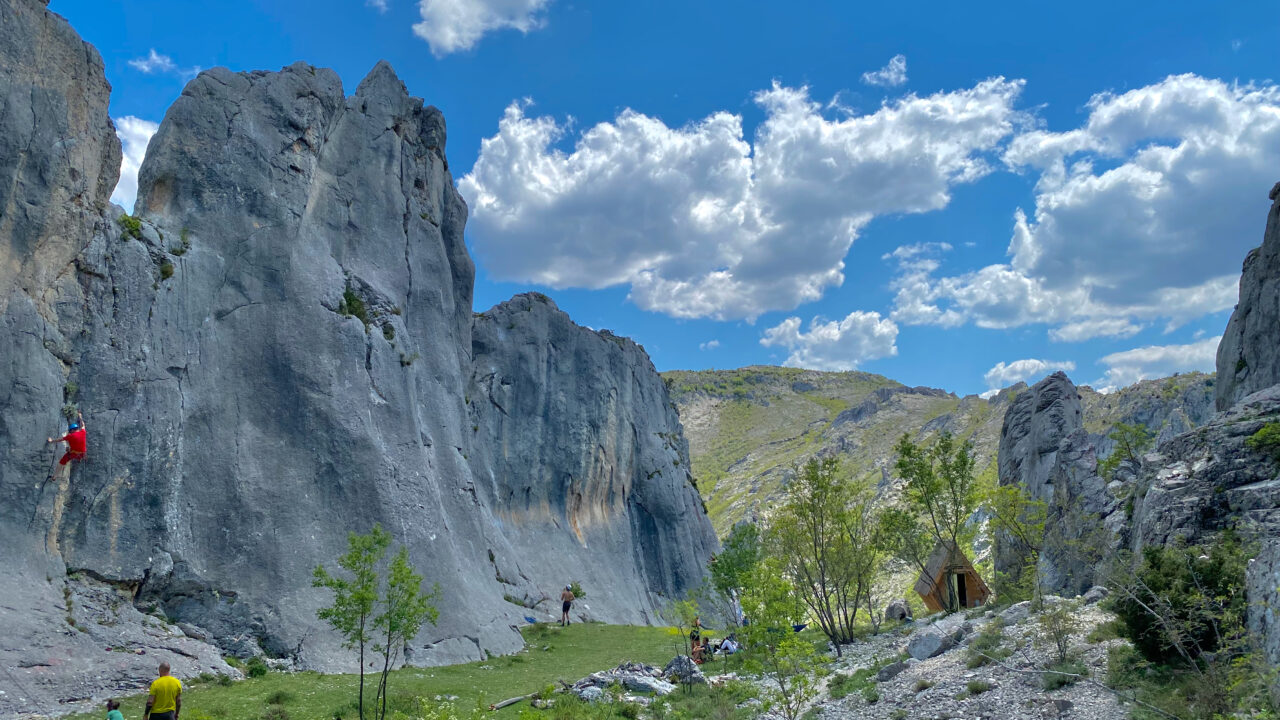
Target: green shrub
279 697
1175 605
1266 440
166 270
1063 674
256 667
986 645
842 685
977 687
388 331
1109 630
352 306
923 684
130 226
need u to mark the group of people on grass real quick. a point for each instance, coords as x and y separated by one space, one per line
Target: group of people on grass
702 647
164 699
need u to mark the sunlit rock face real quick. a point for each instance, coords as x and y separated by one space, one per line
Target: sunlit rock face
282 350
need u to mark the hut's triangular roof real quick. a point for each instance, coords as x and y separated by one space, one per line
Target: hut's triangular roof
945 556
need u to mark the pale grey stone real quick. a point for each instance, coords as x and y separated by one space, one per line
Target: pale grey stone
1247 357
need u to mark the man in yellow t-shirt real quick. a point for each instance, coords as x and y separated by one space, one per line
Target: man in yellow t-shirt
165 699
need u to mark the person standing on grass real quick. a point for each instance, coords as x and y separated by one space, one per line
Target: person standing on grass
113 710
165 699
566 601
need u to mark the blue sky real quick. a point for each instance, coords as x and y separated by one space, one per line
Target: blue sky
948 197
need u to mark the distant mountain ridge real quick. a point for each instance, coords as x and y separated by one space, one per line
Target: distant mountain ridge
746 427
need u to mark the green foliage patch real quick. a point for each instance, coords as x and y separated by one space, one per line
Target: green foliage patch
1266 440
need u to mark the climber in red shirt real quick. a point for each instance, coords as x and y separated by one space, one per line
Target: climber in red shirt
75 440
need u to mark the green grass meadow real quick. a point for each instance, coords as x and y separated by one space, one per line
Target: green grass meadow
551 654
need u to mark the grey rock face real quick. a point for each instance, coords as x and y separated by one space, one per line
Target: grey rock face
586 458
1247 358
283 353
1207 480
1045 449
1264 607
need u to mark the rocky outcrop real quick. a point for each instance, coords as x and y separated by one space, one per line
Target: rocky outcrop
1045 449
280 350
1264 608
1209 479
1247 358
581 437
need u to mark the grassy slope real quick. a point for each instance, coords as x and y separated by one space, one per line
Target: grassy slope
551 653
746 427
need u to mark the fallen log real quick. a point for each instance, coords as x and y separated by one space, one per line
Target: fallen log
512 701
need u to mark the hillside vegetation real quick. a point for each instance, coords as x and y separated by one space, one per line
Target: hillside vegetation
748 427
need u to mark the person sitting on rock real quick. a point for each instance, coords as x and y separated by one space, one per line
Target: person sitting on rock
729 646
697 653
77 444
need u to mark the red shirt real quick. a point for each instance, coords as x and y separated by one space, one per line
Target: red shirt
75 441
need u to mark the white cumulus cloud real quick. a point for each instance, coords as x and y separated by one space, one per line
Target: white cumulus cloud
1156 361
451 26
134 134
709 345
379 5
156 64
1144 213
700 222
834 345
1028 370
891 75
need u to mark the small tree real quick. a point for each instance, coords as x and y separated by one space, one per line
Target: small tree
1131 441
941 494
1057 623
681 615
354 599
1017 524
731 569
405 609
770 605
808 535
366 610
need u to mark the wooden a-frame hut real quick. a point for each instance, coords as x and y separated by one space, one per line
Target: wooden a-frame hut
949 574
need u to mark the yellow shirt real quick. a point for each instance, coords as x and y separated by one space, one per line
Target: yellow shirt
165 689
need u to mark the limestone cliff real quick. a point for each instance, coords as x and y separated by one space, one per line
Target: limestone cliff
1247 357
279 350
1045 449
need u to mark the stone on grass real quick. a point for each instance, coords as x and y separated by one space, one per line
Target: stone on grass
932 642
682 669
889 672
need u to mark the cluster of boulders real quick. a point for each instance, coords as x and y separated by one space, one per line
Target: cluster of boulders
927 671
